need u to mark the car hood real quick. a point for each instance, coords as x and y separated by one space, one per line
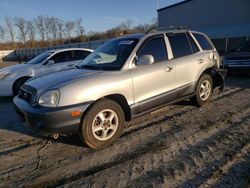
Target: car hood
58 79
238 56
14 68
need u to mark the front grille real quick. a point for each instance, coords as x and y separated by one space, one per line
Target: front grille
25 95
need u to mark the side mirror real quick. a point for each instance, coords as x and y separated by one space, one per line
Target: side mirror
50 62
145 60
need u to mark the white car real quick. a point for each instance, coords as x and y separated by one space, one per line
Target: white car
12 77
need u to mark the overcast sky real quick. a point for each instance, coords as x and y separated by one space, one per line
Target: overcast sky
98 15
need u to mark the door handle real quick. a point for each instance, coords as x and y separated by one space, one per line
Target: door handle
71 65
168 69
200 61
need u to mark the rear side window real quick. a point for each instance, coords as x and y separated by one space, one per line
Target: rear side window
155 47
204 43
180 44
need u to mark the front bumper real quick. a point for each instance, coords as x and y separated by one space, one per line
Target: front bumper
5 88
50 120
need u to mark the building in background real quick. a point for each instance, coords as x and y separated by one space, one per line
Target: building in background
227 22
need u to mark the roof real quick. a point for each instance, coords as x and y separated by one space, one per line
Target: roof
67 49
174 5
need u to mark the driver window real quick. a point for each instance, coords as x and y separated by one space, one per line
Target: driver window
62 57
156 47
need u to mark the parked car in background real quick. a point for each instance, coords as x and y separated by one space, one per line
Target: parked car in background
122 79
239 59
12 77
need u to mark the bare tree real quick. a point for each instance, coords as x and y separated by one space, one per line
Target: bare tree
80 29
60 25
2 33
154 22
126 25
47 28
20 22
40 25
10 28
69 27
31 32
52 21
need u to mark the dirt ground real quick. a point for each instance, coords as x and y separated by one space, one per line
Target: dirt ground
178 146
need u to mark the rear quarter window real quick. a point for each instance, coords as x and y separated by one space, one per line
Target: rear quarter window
202 40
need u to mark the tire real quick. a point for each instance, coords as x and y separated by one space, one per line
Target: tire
18 83
203 90
102 124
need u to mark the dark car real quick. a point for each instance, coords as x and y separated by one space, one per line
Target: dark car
239 59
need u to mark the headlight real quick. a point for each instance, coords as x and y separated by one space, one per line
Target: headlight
49 98
3 75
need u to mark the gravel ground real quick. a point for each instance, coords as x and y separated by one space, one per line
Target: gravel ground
178 146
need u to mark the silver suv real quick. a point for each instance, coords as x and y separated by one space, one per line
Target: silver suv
122 79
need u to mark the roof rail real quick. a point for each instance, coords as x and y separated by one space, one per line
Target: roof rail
171 27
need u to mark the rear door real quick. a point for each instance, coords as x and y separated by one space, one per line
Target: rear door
188 60
153 84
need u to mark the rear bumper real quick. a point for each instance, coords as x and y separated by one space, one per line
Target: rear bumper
50 120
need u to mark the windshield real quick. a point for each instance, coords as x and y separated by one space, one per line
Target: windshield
110 56
40 58
245 47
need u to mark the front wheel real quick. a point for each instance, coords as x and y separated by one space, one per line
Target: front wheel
102 124
203 91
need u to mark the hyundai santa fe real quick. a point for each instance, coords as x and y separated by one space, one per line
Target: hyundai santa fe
122 79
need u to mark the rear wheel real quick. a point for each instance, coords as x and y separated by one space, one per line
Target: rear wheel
18 83
204 90
102 124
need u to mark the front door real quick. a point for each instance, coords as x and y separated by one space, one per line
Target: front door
153 84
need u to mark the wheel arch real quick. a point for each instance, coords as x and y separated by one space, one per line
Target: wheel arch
217 77
20 78
119 99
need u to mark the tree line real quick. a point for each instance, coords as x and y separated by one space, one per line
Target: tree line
45 31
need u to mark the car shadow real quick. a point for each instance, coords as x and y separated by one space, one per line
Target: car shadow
10 121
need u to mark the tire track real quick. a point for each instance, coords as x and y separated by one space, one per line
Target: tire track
238 167
156 128
147 147
198 151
